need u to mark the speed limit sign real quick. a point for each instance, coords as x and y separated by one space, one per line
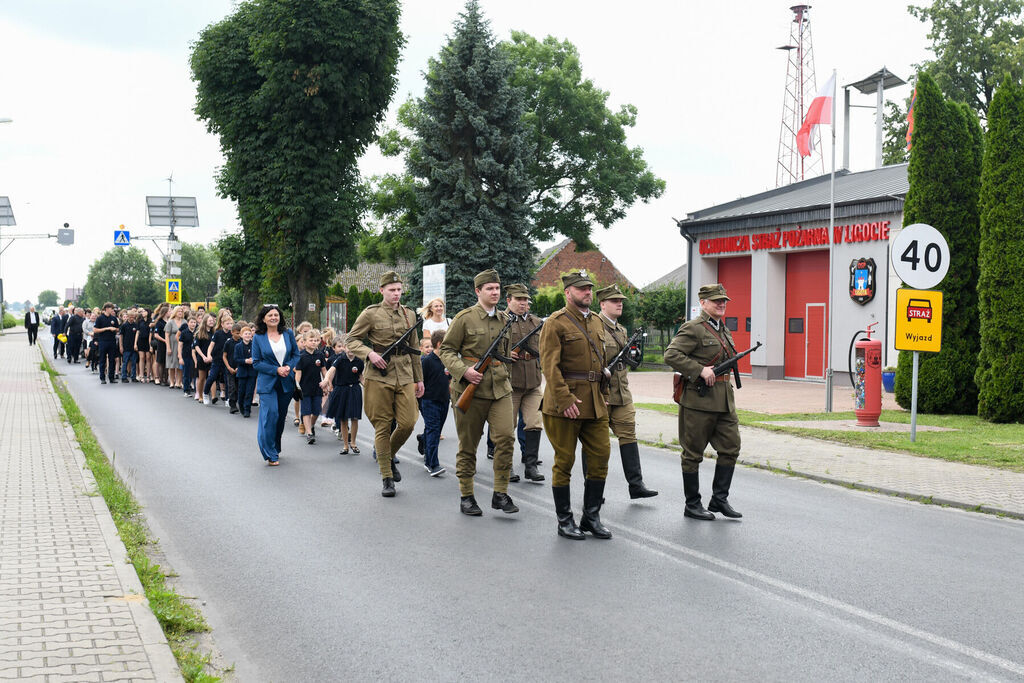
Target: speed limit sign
920 256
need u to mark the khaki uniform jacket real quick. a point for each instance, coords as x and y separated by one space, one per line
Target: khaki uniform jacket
694 348
380 326
469 335
615 338
525 372
565 349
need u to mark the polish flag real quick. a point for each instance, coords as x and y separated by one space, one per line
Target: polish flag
819 114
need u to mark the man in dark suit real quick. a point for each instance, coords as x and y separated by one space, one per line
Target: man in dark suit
32 325
74 334
57 325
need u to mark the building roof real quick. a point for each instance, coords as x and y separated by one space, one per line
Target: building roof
671 279
880 190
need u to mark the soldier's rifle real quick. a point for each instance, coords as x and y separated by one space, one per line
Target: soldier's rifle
521 344
728 365
466 398
400 347
631 354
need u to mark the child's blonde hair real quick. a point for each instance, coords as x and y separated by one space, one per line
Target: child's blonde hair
303 327
328 336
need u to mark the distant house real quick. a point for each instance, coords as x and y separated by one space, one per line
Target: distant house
367 275
563 257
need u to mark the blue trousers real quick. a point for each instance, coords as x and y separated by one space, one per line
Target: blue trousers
246 387
128 358
273 413
434 414
188 373
216 375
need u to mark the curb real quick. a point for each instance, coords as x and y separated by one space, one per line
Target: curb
154 642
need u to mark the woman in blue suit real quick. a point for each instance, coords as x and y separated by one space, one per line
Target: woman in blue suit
274 355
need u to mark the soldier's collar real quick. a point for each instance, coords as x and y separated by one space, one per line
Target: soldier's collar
717 324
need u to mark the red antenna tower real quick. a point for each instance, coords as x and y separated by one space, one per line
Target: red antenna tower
801 87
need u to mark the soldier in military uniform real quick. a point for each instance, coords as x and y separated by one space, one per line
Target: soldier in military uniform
574 409
392 396
698 346
468 337
621 414
525 376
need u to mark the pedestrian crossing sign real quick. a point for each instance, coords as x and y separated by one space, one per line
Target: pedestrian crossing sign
173 292
122 238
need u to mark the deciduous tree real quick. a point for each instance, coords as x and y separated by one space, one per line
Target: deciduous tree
48 297
124 276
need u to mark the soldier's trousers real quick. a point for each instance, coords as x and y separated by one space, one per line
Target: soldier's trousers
384 403
498 415
698 428
622 420
528 401
563 433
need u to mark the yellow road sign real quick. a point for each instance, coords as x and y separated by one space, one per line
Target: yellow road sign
918 320
173 292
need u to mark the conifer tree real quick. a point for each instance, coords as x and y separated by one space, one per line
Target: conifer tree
1000 374
945 178
472 151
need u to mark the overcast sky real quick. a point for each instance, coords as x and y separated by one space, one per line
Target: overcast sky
102 102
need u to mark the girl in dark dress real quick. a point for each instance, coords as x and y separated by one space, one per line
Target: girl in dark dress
346 402
142 345
203 354
160 342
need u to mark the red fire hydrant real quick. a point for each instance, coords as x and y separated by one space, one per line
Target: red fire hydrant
867 380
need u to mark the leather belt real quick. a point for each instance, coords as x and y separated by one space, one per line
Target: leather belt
591 376
470 359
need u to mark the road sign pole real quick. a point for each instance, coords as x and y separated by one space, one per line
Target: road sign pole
913 400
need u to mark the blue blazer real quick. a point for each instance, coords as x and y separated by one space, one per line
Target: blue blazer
265 362
242 352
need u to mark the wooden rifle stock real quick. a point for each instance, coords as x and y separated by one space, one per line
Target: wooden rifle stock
467 394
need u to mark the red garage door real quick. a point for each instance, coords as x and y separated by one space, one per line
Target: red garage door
734 273
806 314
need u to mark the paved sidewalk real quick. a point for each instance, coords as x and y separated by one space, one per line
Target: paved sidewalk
71 606
947 483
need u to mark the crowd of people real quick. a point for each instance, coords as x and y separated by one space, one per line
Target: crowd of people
507 370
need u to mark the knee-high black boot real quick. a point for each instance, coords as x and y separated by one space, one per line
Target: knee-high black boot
630 454
691 488
593 497
563 509
720 491
530 456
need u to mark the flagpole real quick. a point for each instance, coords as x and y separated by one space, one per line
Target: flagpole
831 237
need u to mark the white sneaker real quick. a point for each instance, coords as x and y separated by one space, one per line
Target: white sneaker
206 399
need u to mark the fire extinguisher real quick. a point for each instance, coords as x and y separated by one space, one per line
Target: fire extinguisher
867 379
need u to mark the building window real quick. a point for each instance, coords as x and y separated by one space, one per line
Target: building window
748 324
732 324
796 325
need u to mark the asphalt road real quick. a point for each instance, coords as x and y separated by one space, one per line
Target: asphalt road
309 575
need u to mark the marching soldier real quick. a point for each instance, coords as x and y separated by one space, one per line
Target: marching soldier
572 356
698 346
470 335
392 396
525 376
621 414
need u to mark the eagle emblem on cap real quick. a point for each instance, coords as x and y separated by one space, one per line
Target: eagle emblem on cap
583 272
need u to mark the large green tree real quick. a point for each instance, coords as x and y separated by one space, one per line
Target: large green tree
48 297
124 276
1000 375
199 265
976 43
295 91
945 178
471 151
583 173
241 269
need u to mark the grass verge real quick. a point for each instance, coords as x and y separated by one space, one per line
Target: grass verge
181 621
974 441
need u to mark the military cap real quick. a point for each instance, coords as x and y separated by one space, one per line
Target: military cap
712 293
609 292
580 278
517 290
389 278
486 277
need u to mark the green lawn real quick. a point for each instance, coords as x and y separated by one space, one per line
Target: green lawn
975 442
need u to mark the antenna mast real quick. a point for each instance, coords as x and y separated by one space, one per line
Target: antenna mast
801 87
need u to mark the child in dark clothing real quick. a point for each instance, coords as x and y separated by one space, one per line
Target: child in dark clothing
308 374
246 374
434 404
346 402
229 366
